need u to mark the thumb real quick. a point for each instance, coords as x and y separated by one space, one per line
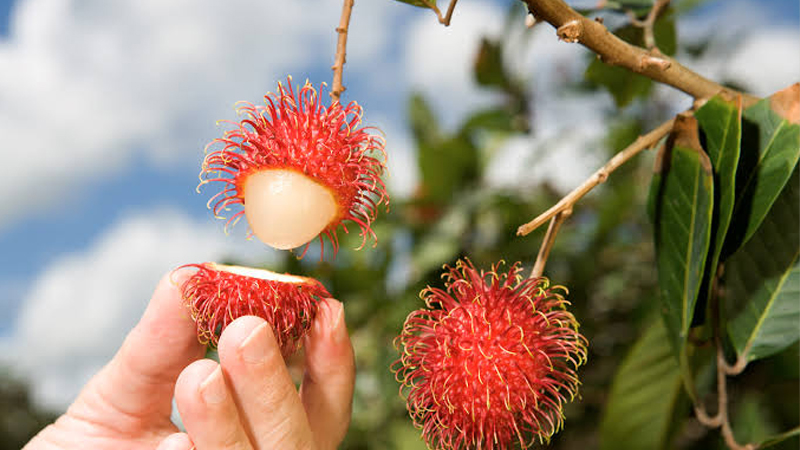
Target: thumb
138 382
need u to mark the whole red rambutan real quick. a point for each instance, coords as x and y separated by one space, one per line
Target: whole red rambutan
491 360
218 294
299 169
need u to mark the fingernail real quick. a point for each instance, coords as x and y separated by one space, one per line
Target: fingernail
254 349
213 388
337 328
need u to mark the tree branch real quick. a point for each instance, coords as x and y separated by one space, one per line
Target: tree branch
722 418
341 49
737 367
449 15
444 20
571 26
548 241
642 142
649 23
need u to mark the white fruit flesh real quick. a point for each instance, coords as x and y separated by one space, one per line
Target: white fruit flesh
286 209
259 273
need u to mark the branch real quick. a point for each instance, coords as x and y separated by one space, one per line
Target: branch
721 419
574 27
739 366
444 20
642 142
341 50
548 241
649 23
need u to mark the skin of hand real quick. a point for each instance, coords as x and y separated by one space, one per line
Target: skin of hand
247 402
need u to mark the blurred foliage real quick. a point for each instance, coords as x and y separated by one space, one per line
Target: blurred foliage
623 84
20 420
631 396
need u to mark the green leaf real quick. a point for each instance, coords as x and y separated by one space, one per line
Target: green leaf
489 69
442 243
622 84
752 421
685 6
499 119
763 281
447 166
770 150
682 209
424 124
665 34
420 3
645 395
777 439
638 7
720 121
446 163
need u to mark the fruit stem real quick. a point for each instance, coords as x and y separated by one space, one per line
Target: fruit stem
548 241
721 419
341 50
641 143
443 19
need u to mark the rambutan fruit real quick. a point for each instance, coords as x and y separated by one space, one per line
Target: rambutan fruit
299 169
218 294
490 361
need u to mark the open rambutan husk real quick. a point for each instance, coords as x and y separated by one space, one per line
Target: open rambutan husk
218 294
491 360
298 169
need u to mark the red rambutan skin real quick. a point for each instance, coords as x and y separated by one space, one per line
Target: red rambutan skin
490 361
295 131
216 297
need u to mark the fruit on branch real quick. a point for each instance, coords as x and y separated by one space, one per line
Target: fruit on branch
218 294
298 168
490 361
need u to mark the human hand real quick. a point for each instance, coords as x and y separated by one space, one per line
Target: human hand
246 402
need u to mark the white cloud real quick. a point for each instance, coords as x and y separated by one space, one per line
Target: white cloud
439 60
745 45
85 84
403 173
550 63
566 147
79 309
766 62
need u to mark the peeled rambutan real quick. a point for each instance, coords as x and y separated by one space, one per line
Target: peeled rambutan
218 294
491 361
298 168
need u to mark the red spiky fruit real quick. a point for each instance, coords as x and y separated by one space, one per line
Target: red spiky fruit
299 169
218 294
491 360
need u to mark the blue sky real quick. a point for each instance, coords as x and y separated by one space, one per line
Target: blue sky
32 242
5 9
106 105
72 221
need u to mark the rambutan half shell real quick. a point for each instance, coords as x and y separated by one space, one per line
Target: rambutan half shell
298 169
491 361
217 294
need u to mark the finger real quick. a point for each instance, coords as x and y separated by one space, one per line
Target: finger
267 399
176 441
207 408
327 389
139 380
